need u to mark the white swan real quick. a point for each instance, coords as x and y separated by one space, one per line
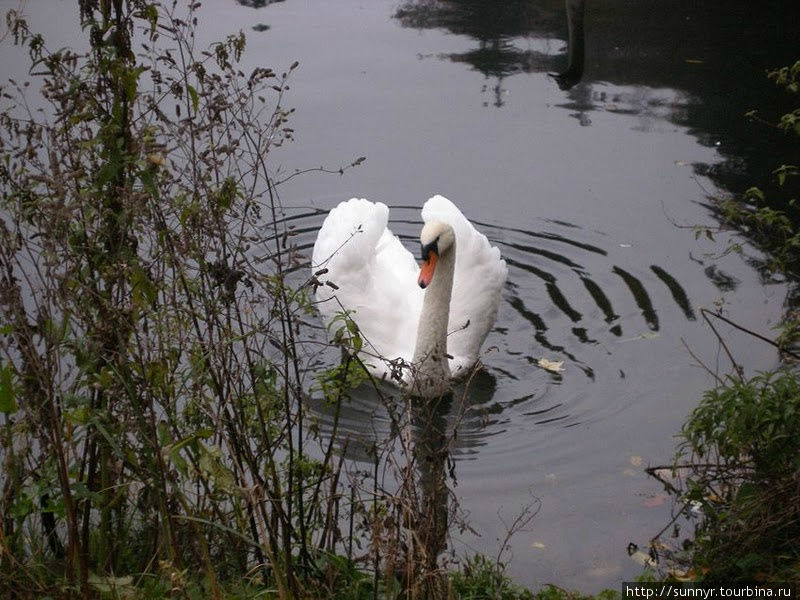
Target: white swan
375 278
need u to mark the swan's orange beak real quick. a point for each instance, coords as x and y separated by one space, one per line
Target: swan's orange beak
426 270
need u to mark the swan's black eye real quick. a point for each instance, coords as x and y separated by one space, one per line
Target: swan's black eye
426 249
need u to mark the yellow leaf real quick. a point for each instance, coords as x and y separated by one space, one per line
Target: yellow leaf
554 366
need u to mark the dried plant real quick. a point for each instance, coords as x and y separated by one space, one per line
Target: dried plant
156 358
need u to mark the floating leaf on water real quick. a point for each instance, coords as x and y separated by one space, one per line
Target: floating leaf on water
538 545
629 473
660 546
642 558
554 366
636 460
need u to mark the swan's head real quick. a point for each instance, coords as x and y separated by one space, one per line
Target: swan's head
436 239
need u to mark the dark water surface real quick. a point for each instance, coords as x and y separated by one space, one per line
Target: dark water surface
580 181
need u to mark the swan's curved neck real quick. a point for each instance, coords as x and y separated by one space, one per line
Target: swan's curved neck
430 364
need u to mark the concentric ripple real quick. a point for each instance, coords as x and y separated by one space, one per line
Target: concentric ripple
572 297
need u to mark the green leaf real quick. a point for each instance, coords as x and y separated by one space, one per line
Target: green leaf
109 438
754 194
151 14
143 290
81 491
193 95
118 586
148 182
23 507
227 193
211 464
8 403
201 434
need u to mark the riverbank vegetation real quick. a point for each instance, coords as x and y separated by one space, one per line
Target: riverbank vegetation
737 469
156 359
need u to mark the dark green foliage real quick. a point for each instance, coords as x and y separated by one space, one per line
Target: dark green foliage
742 456
335 576
480 579
752 425
769 218
789 78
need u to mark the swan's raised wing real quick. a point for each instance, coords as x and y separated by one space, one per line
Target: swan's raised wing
479 277
376 278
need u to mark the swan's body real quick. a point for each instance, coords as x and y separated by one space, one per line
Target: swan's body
437 331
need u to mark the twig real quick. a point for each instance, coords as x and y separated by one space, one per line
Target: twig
748 331
671 521
653 472
701 363
739 370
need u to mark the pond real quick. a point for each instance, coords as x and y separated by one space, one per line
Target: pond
590 183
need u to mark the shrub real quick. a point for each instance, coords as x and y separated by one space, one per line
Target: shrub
740 460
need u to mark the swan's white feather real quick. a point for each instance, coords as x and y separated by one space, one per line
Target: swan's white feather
376 278
479 277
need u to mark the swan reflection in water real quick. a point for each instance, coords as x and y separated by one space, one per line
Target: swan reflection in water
576 46
404 447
